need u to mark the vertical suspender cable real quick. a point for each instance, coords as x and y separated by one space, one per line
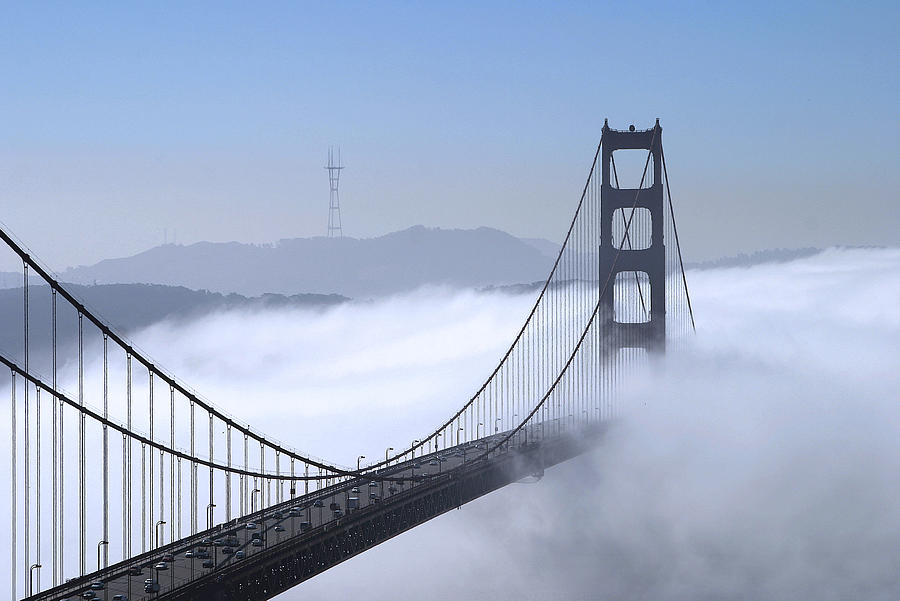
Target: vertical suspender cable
211 448
55 451
37 491
179 506
128 488
262 469
172 464
27 531
151 525
124 496
82 516
14 576
228 473
62 491
105 450
162 492
193 475
144 519
246 463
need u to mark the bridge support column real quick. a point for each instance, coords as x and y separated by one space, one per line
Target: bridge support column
617 254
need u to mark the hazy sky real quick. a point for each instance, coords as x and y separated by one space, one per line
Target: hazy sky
214 120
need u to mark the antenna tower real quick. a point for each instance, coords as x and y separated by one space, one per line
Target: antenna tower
334 199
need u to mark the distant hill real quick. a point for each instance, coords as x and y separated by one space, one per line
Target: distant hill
773 255
126 307
546 247
358 268
12 279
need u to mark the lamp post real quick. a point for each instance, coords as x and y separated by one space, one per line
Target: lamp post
253 500
386 452
458 430
497 424
209 515
156 531
31 577
358 459
413 447
100 546
477 426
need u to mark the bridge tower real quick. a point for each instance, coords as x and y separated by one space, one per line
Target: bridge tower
617 254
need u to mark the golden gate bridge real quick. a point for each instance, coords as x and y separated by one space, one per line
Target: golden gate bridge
142 489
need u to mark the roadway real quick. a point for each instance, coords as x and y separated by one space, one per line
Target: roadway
220 548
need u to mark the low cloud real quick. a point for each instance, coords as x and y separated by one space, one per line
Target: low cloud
758 462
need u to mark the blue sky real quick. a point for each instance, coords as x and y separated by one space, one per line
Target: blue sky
213 119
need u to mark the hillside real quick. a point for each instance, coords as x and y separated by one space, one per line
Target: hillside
358 268
126 307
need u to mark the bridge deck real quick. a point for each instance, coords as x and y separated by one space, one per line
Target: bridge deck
304 536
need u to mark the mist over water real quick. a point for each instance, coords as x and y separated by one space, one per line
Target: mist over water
761 461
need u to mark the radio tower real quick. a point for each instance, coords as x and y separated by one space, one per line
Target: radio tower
334 199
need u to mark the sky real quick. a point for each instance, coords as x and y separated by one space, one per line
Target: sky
211 121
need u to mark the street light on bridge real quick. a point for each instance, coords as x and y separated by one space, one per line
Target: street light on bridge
209 515
100 546
31 577
358 459
413 447
156 531
386 451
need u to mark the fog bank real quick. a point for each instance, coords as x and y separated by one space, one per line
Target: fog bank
759 462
